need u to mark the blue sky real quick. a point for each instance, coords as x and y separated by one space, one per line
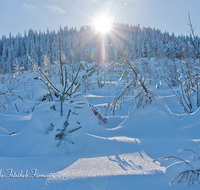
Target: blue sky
167 15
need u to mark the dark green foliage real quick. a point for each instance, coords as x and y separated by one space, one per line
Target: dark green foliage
13 132
50 128
53 107
66 123
64 133
75 129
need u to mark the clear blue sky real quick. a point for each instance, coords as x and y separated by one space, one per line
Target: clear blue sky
167 15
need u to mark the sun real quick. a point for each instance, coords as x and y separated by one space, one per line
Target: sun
103 24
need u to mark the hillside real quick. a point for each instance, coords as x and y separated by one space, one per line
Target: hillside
34 48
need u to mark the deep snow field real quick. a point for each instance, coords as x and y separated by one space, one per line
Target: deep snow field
116 155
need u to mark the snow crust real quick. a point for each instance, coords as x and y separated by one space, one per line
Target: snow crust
116 155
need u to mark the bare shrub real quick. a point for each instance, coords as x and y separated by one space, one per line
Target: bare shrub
136 84
187 75
188 176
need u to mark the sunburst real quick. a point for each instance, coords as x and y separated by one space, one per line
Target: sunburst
103 24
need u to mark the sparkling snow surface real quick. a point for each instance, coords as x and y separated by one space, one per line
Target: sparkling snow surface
117 155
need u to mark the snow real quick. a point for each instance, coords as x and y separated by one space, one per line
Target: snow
114 165
115 155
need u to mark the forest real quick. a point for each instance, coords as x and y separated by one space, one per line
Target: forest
85 44
85 110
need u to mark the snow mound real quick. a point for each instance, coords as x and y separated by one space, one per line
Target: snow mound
45 135
137 163
4 131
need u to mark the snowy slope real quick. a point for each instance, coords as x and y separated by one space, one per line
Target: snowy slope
116 155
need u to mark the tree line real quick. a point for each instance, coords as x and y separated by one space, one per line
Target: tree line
88 45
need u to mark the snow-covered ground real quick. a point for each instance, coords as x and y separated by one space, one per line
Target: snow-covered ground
114 155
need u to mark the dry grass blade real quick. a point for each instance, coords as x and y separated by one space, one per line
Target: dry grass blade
168 157
189 176
182 149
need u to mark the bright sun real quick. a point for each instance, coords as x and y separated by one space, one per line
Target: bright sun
103 24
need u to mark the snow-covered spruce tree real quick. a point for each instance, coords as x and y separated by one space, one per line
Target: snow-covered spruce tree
87 72
136 85
64 92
